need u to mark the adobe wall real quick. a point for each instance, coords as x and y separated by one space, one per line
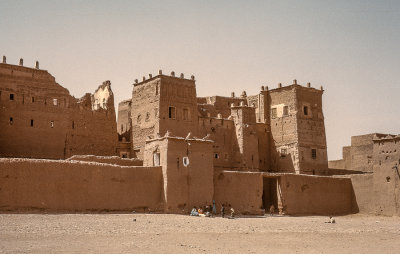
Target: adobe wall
114 160
215 105
40 119
188 185
306 195
124 120
77 186
241 190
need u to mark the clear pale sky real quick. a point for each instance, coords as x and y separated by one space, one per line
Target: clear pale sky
349 47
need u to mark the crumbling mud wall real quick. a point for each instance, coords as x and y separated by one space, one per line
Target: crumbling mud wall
114 160
40 119
29 184
241 190
306 195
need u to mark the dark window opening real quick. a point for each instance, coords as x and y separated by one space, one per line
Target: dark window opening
314 153
171 112
285 110
124 155
283 152
33 99
31 122
11 97
11 121
73 125
216 156
305 109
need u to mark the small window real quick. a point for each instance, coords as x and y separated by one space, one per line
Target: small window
11 121
216 156
55 102
283 152
172 113
52 124
31 122
314 153
73 125
285 110
124 155
11 96
33 99
274 113
185 114
305 110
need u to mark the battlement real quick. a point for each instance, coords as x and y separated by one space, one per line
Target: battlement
21 71
387 138
160 76
294 85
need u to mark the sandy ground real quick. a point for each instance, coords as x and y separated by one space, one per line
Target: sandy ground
166 233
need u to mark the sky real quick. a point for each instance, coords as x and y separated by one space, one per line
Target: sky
351 48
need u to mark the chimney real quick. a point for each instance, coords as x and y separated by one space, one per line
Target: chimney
182 75
294 82
266 88
233 94
322 88
159 72
150 75
262 88
136 81
308 84
279 85
144 78
37 64
4 59
172 73
21 62
192 77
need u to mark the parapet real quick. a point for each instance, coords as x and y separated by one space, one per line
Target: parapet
161 75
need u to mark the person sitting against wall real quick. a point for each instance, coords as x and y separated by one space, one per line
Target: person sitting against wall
194 212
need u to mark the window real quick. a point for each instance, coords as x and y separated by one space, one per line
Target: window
305 110
274 113
11 121
185 114
31 122
11 96
283 152
52 124
73 125
285 110
172 113
216 156
314 153
55 102
124 155
33 99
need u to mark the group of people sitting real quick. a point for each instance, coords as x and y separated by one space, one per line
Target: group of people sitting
208 211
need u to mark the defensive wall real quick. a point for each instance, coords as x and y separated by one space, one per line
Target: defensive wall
50 185
115 160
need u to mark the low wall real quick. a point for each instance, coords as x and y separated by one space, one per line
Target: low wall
241 190
115 160
27 184
306 195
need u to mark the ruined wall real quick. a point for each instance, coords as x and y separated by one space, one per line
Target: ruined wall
214 105
302 194
114 160
187 185
40 119
241 190
77 186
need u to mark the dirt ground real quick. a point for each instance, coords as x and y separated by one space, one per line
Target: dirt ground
167 233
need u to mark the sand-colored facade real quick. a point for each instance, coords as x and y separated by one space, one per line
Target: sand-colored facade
40 119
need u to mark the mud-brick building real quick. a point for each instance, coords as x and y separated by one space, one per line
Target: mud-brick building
40 119
277 130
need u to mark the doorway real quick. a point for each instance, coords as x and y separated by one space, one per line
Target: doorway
270 193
